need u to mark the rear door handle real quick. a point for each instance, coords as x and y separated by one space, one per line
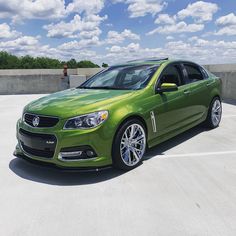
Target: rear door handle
209 84
186 92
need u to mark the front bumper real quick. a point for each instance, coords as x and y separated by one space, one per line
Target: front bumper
99 139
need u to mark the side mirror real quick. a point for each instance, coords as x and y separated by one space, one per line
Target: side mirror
167 87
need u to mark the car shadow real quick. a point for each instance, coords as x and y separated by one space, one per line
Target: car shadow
230 101
52 176
173 142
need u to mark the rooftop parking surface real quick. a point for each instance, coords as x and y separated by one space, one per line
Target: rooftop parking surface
185 186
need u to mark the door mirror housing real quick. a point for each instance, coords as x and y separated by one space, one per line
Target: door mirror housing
167 87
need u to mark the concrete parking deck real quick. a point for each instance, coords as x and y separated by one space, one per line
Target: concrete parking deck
186 186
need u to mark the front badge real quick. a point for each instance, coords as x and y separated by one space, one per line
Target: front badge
36 121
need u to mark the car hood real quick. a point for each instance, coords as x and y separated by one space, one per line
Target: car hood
73 102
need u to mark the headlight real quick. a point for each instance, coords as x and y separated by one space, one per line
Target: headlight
86 121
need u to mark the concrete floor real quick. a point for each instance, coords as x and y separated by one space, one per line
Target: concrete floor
187 186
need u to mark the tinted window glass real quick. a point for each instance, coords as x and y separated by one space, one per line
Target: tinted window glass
128 77
171 75
194 73
205 74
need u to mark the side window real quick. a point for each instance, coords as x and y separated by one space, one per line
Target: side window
171 75
205 74
194 73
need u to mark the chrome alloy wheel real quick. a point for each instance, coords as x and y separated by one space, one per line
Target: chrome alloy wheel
133 144
216 112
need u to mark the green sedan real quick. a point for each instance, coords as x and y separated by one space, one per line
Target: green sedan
113 117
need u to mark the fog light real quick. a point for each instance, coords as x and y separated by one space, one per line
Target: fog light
71 154
77 153
90 153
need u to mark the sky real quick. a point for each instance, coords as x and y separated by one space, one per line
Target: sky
114 31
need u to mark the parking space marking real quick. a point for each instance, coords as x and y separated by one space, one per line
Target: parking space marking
228 116
197 154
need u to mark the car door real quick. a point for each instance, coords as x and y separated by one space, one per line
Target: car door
171 108
198 99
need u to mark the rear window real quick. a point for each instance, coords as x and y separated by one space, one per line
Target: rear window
194 73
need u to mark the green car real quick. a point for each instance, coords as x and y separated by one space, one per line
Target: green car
113 117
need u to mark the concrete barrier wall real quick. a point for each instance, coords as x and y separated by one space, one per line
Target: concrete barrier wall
227 73
32 81
28 84
49 81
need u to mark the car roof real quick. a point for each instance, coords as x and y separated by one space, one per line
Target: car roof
147 61
150 61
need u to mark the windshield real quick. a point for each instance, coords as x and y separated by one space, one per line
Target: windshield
124 78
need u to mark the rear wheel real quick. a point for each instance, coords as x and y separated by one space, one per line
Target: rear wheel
129 145
214 113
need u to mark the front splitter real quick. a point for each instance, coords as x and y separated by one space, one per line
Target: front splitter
61 168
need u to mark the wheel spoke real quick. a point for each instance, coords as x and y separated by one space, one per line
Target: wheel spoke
216 112
133 144
136 156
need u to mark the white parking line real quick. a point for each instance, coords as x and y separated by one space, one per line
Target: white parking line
228 116
197 154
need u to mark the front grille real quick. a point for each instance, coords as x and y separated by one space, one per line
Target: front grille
37 152
38 144
37 135
44 121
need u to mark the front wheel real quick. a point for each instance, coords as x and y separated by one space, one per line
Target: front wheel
129 145
214 113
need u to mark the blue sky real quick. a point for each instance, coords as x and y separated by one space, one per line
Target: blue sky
119 30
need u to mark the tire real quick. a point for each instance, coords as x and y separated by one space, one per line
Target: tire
214 114
127 152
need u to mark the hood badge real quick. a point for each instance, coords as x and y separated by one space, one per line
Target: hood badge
35 121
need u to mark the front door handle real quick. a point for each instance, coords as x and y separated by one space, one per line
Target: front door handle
186 92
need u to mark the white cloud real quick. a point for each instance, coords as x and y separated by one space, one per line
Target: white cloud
82 44
140 8
21 44
131 51
169 38
28 45
227 30
197 49
229 19
200 11
87 27
6 32
165 19
203 51
18 10
132 47
180 27
89 7
28 9
114 37
228 24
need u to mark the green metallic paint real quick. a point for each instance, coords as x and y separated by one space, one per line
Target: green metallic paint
174 112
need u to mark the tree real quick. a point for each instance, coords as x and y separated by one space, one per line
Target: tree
86 64
105 65
9 61
72 63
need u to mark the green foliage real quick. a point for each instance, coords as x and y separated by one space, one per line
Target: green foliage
9 61
87 64
105 65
